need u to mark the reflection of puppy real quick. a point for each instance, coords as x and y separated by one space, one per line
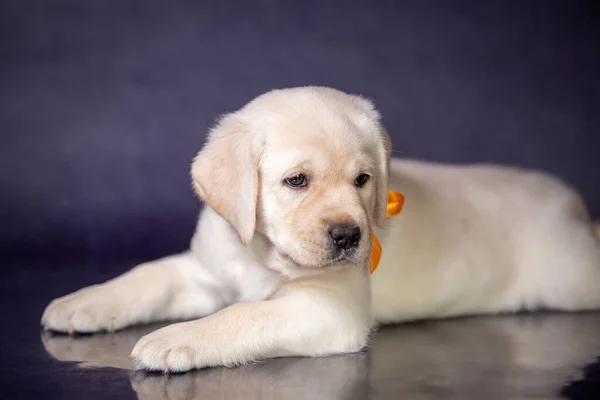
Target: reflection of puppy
326 378
337 377
506 357
97 350
294 183
510 356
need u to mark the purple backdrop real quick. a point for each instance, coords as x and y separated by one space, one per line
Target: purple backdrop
104 103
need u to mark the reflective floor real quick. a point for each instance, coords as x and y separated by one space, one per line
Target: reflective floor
533 356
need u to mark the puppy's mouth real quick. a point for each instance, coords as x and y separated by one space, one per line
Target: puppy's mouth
342 257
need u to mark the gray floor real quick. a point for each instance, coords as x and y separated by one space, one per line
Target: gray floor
533 356
506 357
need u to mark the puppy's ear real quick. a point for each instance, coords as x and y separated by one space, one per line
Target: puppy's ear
371 119
225 175
385 155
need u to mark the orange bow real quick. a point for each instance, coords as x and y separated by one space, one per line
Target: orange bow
394 206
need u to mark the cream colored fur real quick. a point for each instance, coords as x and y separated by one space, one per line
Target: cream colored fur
261 280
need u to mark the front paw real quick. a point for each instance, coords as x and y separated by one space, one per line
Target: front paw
175 348
91 309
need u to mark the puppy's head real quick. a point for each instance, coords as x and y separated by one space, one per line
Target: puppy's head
307 168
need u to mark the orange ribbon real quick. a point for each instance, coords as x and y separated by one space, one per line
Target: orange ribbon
394 207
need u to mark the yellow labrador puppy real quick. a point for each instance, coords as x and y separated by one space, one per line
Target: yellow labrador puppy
294 183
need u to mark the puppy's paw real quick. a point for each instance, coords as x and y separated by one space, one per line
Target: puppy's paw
91 309
175 348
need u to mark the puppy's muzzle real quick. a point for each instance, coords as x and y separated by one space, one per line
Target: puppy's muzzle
344 236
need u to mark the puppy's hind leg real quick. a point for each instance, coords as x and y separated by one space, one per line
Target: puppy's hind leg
169 288
575 268
596 228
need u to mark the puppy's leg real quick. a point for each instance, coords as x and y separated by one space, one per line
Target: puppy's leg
569 272
169 288
313 317
578 287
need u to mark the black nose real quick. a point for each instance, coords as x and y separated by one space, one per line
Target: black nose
344 236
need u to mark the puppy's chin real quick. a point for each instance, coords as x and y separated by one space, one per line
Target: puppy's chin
342 260
291 265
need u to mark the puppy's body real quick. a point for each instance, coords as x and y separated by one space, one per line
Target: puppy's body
480 239
271 274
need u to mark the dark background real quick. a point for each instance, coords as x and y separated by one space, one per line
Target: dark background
104 103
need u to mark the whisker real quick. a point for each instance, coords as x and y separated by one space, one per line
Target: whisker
399 152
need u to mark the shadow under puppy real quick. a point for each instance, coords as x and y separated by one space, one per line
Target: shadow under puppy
294 183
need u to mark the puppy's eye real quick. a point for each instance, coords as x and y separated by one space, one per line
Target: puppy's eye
298 181
361 180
